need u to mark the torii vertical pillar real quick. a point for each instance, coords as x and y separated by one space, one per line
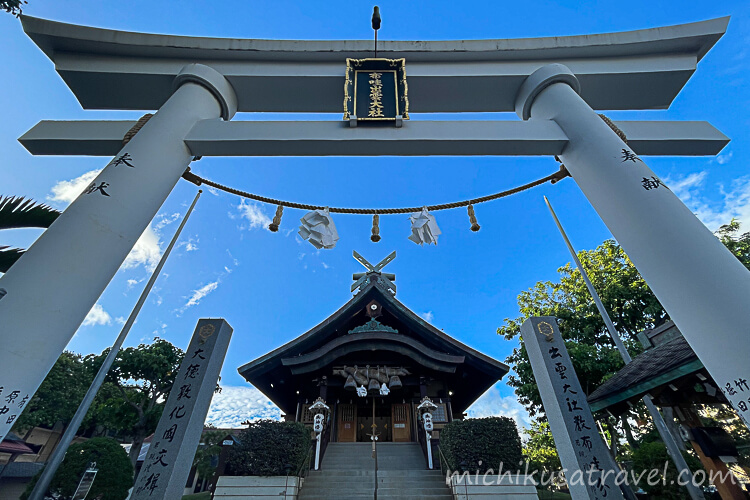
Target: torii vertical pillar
46 295
703 287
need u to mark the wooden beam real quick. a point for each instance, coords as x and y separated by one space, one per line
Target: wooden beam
729 489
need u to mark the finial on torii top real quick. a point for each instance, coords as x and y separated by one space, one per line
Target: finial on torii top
386 279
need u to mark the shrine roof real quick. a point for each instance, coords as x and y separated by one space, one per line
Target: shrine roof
656 367
13 444
109 69
398 330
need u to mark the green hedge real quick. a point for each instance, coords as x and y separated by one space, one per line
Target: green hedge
266 447
114 479
491 440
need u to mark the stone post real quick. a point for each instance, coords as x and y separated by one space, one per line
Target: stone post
590 471
170 456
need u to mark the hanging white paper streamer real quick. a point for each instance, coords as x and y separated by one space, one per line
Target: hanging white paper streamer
318 228
424 228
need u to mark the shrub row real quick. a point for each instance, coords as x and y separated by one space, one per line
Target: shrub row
268 448
481 444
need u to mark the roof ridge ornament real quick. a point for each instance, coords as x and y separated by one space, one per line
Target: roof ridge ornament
373 326
374 273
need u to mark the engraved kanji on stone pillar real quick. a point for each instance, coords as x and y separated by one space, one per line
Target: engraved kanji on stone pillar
589 468
167 465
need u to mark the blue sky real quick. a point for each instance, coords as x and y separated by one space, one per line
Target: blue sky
273 287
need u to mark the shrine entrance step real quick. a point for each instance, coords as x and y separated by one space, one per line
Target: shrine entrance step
348 472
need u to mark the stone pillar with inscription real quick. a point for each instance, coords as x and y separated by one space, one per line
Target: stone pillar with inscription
589 468
703 287
46 295
170 456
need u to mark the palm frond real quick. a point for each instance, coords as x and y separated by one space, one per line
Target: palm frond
8 257
17 211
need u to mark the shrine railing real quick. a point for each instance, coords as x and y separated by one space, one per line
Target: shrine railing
445 467
422 440
308 463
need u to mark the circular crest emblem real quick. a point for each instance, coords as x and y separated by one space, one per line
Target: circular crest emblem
206 331
546 330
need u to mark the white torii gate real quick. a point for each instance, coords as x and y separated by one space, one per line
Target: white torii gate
552 83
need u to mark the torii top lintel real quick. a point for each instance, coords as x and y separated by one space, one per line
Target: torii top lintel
109 69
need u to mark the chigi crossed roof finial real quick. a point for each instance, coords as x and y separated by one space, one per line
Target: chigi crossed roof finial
362 279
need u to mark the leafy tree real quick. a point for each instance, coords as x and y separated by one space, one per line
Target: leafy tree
12 6
59 395
632 306
540 448
738 244
137 386
113 479
18 212
653 456
626 296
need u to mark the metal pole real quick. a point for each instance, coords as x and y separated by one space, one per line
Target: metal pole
661 426
376 26
40 489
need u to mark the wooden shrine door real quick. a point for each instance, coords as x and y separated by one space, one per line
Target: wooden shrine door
347 424
401 422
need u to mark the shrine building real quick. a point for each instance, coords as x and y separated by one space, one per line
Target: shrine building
374 349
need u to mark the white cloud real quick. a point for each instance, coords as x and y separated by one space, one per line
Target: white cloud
253 213
147 250
97 316
684 187
199 294
234 260
67 191
234 405
724 159
131 283
165 220
428 316
492 404
191 245
731 203
120 320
